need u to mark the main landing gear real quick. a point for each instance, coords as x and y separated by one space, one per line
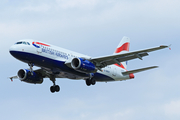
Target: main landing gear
90 82
54 88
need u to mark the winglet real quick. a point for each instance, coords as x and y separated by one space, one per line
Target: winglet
169 47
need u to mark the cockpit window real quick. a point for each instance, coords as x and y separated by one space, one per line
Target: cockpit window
25 43
19 43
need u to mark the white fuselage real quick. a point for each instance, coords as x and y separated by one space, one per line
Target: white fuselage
54 58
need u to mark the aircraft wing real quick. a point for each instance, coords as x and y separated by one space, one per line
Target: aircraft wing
101 62
47 73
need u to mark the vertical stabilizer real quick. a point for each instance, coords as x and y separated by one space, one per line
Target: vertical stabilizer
123 47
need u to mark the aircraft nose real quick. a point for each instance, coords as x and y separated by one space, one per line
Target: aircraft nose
12 49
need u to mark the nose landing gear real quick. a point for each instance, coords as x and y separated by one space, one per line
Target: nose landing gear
31 68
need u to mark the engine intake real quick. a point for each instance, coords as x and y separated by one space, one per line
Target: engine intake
25 76
83 65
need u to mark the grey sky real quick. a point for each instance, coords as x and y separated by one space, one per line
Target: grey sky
95 28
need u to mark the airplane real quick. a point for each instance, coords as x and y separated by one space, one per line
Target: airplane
56 62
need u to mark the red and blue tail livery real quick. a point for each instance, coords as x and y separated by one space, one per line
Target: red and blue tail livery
123 47
56 62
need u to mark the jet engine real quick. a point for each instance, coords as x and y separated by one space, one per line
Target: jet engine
25 76
83 65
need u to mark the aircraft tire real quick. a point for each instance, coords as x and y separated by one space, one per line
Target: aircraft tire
88 82
52 89
93 81
57 88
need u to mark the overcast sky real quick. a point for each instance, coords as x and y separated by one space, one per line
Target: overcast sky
95 28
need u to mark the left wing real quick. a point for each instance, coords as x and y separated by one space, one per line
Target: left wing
101 62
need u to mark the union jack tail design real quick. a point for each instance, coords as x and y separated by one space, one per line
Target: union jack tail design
123 47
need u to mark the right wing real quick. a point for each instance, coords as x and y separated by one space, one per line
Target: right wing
101 62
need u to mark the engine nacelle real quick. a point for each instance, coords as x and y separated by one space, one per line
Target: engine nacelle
25 76
83 65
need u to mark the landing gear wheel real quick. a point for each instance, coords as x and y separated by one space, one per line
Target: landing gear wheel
57 88
52 89
88 82
93 81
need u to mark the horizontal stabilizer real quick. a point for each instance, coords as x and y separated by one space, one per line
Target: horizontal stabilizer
138 70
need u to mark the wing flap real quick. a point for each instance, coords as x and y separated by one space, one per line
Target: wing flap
139 70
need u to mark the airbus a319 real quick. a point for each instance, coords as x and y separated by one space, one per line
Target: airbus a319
56 62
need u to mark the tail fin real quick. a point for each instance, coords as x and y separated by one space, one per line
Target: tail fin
123 47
